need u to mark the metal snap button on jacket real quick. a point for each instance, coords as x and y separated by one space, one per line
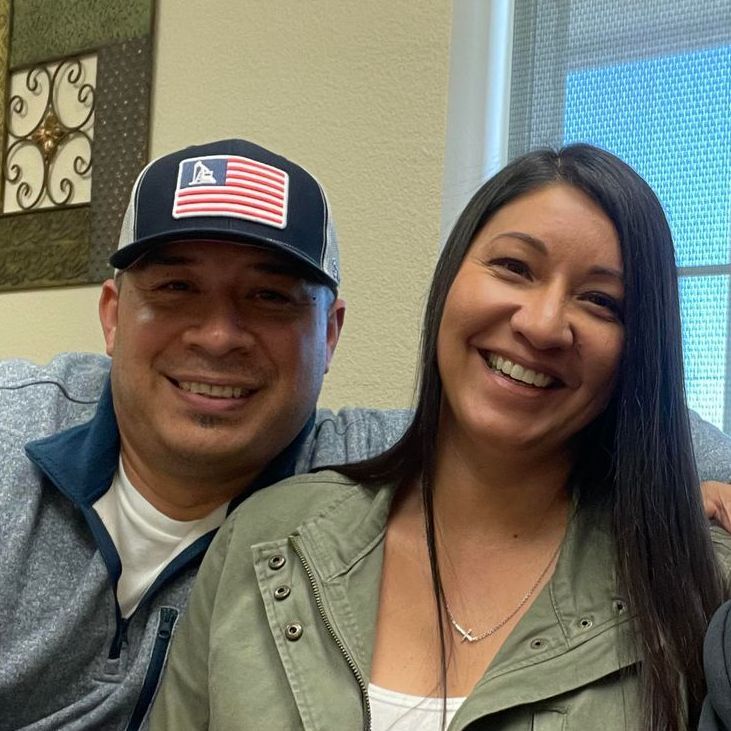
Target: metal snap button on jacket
281 592
293 631
277 561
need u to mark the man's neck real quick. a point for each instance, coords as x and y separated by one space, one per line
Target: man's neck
180 496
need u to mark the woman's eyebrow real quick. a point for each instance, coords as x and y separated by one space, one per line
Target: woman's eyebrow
532 241
607 272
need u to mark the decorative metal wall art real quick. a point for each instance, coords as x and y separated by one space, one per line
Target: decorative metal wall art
75 80
50 122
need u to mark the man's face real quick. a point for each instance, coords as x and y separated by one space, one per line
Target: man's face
218 354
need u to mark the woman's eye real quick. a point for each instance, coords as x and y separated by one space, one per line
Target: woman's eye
606 302
514 266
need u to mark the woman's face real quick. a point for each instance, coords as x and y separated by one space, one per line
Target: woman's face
531 335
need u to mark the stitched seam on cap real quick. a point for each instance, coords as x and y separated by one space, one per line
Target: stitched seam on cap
136 196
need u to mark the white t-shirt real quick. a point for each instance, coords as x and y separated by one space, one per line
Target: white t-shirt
393 711
146 539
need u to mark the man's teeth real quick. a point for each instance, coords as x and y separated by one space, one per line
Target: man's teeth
209 389
518 372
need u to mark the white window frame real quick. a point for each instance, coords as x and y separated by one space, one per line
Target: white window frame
478 108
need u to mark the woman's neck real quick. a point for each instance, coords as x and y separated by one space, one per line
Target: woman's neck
475 491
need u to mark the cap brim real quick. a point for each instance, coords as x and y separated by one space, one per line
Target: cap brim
129 255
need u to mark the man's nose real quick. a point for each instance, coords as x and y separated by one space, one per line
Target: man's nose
219 328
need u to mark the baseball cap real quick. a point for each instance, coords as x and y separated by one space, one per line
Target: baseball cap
233 191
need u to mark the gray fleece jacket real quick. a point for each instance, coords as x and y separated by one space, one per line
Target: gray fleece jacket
68 660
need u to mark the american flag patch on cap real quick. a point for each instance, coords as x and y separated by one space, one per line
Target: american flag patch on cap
233 186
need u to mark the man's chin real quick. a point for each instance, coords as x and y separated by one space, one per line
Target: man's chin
208 459
210 421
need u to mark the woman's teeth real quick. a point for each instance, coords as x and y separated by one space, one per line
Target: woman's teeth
518 372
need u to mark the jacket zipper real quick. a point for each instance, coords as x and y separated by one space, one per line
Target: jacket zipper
120 638
168 618
331 631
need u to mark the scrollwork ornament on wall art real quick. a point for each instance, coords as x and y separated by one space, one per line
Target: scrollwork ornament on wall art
54 126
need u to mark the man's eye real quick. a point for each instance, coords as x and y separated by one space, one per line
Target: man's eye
175 286
271 296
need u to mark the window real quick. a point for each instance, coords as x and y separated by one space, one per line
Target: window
650 81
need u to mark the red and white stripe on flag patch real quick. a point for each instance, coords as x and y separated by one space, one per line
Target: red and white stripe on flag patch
233 186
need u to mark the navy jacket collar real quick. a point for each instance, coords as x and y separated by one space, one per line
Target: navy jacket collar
81 461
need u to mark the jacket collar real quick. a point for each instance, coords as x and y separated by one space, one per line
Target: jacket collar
356 524
81 461
95 449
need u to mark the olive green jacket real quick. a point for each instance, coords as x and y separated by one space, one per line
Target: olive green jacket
281 622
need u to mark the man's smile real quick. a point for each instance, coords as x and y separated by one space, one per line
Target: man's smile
213 390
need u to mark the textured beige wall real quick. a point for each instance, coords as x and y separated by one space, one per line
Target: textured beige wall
38 323
357 92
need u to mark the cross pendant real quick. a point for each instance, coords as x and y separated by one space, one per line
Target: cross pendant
467 635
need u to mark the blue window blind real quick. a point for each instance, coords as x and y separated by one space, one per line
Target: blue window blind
652 83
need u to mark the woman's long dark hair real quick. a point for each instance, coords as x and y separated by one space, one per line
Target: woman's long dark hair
637 462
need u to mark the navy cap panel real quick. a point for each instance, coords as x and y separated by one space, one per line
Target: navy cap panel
306 217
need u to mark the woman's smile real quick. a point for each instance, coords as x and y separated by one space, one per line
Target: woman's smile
516 372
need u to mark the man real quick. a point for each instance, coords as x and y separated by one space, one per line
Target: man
716 713
220 325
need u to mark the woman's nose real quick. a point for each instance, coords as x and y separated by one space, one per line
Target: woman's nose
543 320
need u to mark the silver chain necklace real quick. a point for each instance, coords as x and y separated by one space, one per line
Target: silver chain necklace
467 635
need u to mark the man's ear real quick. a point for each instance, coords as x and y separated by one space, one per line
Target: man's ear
335 319
108 312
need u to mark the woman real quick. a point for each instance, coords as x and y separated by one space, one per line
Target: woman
535 543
